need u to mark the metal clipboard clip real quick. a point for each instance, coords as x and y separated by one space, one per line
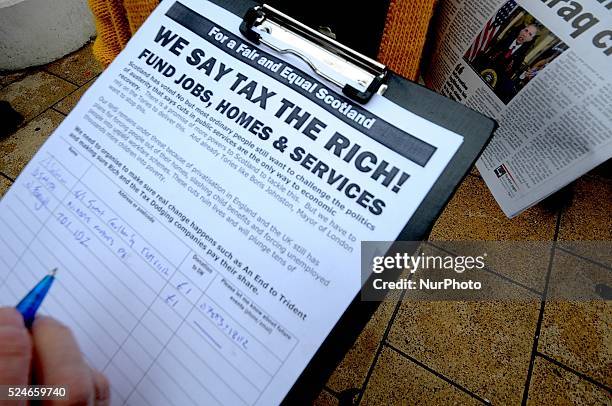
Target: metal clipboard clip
358 76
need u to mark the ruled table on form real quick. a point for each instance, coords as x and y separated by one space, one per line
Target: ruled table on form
140 316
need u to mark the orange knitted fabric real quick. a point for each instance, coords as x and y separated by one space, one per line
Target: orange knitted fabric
401 46
138 11
116 21
404 35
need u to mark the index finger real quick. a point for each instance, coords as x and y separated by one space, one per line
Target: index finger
15 348
58 360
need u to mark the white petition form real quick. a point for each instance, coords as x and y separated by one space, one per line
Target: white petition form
204 204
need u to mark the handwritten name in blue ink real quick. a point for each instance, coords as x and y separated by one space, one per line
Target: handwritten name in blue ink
38 192
54 169
44 178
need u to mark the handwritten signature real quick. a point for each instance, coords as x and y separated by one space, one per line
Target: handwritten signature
38 192
44 178
54 169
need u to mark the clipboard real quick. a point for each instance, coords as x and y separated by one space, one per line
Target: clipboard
368 78
124 214
476 129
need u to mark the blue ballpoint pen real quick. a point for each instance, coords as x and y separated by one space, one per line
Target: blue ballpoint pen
32 301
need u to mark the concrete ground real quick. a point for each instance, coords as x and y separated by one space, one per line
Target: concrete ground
425 352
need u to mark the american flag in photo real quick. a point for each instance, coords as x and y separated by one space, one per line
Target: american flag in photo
490 29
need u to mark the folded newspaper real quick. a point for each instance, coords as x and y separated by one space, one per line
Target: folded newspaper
543 70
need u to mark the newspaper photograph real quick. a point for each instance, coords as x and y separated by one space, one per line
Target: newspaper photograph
542 70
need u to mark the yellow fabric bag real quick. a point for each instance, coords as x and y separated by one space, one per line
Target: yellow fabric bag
403 39
116 21
401 47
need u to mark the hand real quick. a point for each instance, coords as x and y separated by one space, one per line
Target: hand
51 356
